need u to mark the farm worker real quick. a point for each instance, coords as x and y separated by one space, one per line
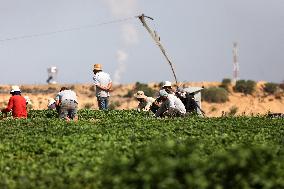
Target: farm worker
16 103
66 99
171 105
51 104
103 84
144 101
29 103
167 85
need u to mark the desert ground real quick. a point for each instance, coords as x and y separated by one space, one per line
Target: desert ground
258 103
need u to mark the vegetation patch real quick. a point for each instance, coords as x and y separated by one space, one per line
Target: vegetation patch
215 94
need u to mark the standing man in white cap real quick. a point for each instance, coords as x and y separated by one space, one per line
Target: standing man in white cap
16 103
145 102
171 105
103 84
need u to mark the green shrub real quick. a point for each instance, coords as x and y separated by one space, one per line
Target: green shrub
233 111
114 105
226 82
281 85
148 91
270 88
88 105
246 87
215 94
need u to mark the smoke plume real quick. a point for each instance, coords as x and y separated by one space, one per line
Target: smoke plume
129 35
121 57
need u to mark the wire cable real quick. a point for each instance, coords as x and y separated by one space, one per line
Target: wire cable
67 29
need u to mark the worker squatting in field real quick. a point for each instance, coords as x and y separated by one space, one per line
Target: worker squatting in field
17 104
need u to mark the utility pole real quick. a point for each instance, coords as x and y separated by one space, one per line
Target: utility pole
156 38
236 67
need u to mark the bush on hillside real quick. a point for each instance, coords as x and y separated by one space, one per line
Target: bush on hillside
226 82
114 105
270 88
215 94
281 85
246 87
148 91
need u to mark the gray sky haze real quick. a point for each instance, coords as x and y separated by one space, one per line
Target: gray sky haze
198 36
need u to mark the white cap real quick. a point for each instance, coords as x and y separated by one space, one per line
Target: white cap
15 88
167 84
28 100
51 101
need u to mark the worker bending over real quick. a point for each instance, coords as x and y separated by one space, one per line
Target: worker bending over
171 105
67 101
145 102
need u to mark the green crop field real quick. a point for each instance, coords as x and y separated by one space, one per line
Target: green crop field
127 149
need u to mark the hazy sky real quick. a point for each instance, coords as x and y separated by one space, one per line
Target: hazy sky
198 36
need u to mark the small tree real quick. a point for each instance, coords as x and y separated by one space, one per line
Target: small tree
246 87
233 111
215 94
270 88
226 82
281 85
148 91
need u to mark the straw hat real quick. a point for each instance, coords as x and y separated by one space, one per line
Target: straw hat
167 84
15 88
97 67
140 94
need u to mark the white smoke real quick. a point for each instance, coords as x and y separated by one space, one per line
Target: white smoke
121 8
121 57
129 35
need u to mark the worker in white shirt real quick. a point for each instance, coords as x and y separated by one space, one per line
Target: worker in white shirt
171 105
67 100
167 86
103 84
145 102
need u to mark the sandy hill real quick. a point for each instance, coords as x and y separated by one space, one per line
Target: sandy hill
258 103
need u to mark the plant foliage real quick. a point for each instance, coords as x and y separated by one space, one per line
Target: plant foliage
215 94
131 149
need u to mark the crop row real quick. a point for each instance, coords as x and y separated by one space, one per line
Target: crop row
127 149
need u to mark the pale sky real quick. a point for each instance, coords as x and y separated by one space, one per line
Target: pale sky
198 36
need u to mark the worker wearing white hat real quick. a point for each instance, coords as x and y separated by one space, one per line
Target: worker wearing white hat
145 102
103 84
167 85
16 104
171 105
29 103
51 104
